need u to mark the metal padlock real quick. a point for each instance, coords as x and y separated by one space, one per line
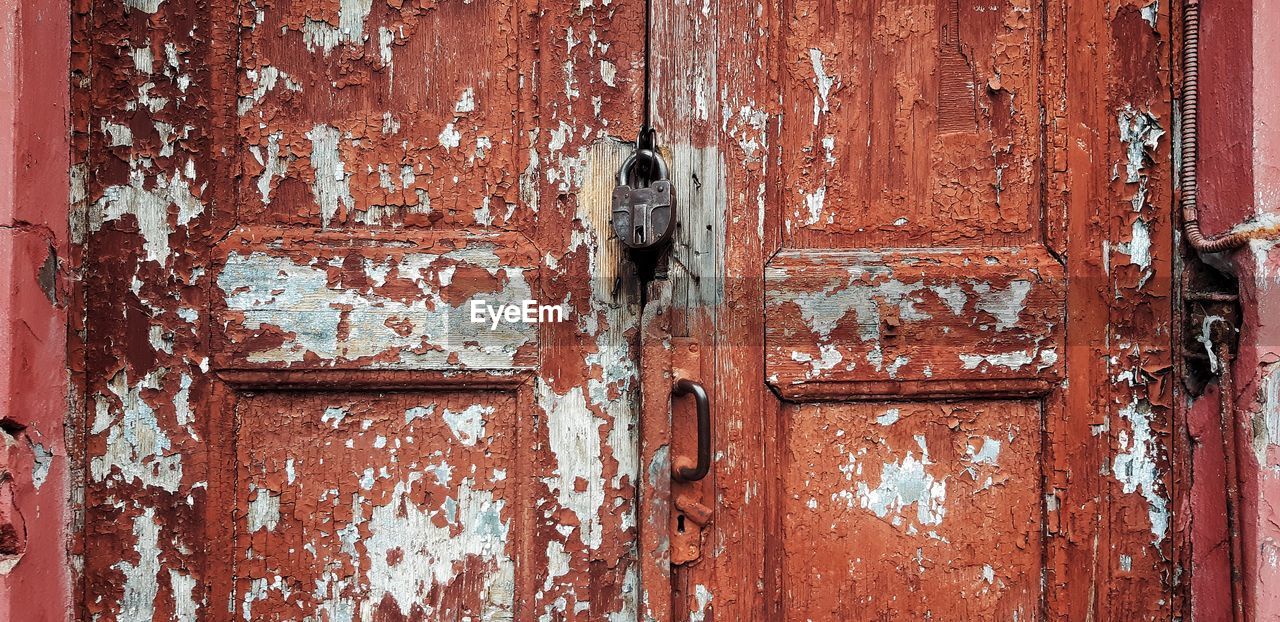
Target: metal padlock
644 211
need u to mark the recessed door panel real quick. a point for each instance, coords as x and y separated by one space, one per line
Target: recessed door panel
909 510
377 505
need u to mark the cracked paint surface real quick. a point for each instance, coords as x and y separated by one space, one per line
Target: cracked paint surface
911 122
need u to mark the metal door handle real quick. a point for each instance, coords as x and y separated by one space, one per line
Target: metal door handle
684 472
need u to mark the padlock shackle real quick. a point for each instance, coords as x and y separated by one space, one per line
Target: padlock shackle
625 170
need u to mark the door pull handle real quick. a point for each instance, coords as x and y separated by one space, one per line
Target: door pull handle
681 470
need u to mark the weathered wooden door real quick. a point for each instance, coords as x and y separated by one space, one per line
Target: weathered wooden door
922 268
288 209
924 272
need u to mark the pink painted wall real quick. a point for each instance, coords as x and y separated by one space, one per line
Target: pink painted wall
35 583
1260 345
1240 178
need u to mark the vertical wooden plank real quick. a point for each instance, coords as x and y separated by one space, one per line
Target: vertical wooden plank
1116 416
713 109
654 513
585 88
1141 231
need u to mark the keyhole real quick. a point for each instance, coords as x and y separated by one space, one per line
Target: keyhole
639 234
680 523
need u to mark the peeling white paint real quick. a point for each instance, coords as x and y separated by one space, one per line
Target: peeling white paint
334 415
574 433
42 461
273 165
829 357
386 37
1012 360
138 602
902 483
183 587
1006 305
1136 468
430 554
467 425
150 208
117 135
822 81
988 453
702 598
813 202
146 6
419 412
264 80
273 291
264 511
1141 131
1138 248
350 28
466 101
449 137
608 72
136 445
889 417
331 181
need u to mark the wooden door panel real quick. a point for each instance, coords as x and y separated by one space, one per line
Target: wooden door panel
302 299
913 266
289 206
376 505
909 510
413 126
842 324
910 124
